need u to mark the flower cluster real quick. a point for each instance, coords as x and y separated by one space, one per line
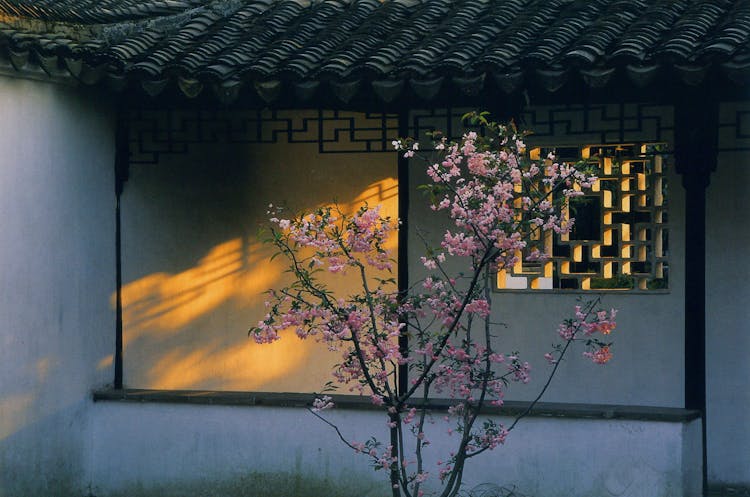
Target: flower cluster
587 326
328 241
498 201
340 241
322 403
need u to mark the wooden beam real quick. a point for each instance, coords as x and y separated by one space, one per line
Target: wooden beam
403 237
696 139
122 163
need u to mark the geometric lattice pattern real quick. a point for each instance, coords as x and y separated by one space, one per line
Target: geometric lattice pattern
619 241
734 127
572 124
157 132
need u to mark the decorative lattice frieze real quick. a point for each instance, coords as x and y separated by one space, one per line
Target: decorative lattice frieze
734 127
156 132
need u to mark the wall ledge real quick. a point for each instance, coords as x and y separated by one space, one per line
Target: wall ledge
510 408
728 490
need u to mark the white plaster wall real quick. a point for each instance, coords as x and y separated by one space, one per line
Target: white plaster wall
194 273
648 364
727 318
56 276
141 447
195 270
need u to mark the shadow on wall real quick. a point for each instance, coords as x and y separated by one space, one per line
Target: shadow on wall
35 386
44 453
42 429
186 330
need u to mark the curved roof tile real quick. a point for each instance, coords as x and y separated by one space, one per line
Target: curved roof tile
303 41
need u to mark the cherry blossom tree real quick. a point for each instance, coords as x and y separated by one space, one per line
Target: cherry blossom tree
500 205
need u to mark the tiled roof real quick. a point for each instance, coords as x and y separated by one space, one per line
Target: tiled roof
392 45
94 11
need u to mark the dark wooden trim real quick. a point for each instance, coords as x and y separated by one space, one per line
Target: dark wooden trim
696 149
118 297
122 159
403 241
355 402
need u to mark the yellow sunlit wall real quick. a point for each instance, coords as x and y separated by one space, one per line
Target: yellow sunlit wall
195 269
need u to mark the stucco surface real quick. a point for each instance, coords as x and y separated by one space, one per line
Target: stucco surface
648 364
171 447
727 318
196 269
57 271
57 265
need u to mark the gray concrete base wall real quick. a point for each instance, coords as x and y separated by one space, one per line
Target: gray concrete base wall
177 449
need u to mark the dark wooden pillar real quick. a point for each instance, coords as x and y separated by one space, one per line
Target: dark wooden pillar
403 237
696 138
122 163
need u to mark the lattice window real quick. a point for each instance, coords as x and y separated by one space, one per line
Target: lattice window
619 241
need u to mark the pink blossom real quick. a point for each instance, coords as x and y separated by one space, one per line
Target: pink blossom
428 263
322 403
599 356
478 306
